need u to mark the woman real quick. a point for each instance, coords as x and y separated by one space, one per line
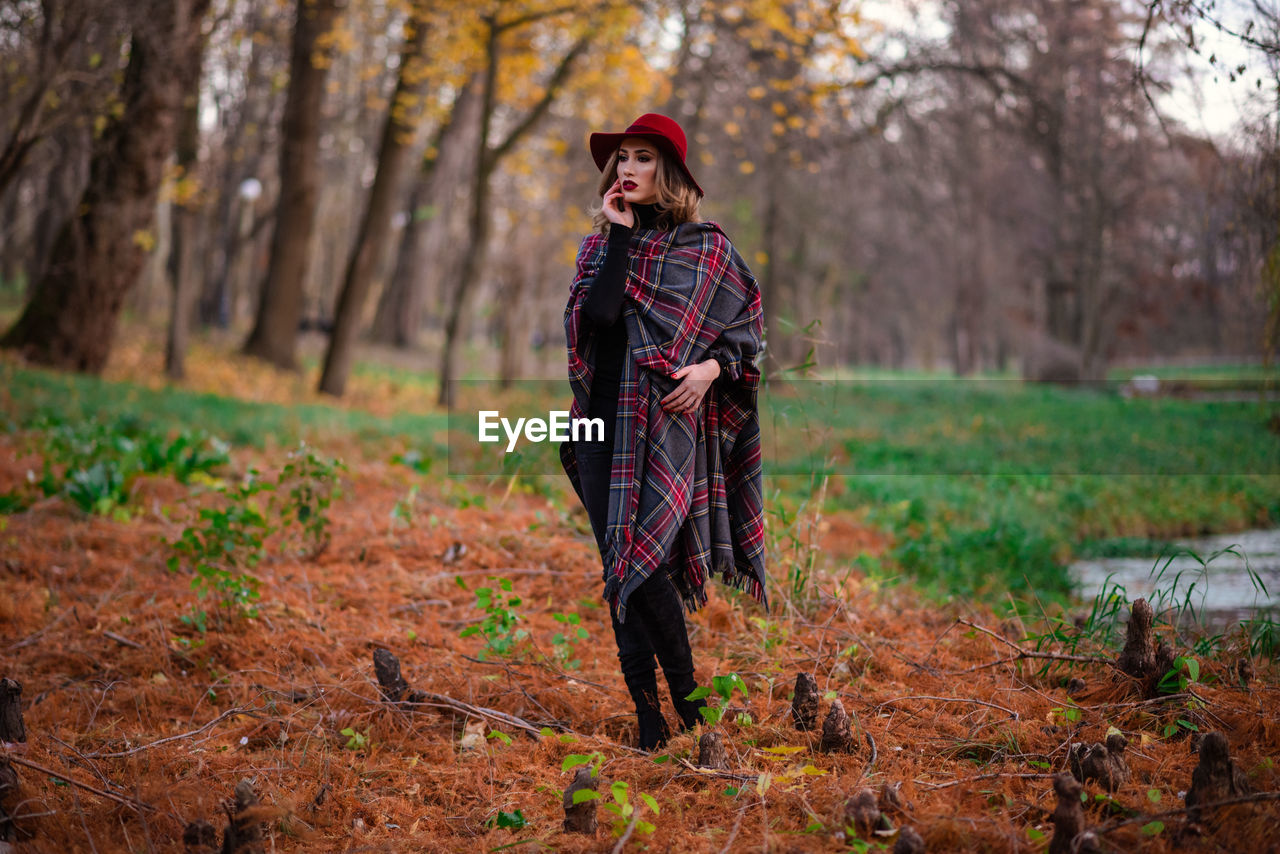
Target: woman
663 327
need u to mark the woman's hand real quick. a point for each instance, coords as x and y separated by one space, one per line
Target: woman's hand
616 208
695 380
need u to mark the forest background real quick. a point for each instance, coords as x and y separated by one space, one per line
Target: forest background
227 226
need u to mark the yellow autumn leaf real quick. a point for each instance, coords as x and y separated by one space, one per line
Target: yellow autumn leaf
144 238
746 167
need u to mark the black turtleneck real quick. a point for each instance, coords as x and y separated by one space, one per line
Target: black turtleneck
603 308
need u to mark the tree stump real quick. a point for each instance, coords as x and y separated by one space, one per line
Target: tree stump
244 830
890 799
1138 656
1102 762
200 837
11 727
580 818
8 787
1069 834
387 668
804 705
909 842
711 753
1216 778
837 734
861 812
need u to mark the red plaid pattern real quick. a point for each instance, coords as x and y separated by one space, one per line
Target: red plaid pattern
685 489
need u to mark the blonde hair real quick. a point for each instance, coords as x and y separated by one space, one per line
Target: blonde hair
677 202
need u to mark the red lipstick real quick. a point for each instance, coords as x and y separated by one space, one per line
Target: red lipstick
628 185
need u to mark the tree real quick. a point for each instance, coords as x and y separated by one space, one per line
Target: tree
425 253
398 133
275 331
488 157
71 318
186 216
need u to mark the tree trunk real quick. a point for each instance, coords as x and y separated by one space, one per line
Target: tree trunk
244 134
184 234
424 254
393 156
486 161
71 319
390 324
275 331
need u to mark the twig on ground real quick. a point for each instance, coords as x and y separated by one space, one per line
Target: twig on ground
733 834
130 752
1025 653
542 666
123 641
111 796
998 776
631 828
418 698
1258 797
1007 711
723 775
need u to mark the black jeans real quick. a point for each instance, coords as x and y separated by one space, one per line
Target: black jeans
655 625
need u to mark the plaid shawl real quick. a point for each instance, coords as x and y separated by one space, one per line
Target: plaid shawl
685 489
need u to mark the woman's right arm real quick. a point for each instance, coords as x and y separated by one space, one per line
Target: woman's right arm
603 303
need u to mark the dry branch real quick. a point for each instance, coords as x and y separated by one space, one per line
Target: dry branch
111 796
387 668
1023 652
1010 712
152 744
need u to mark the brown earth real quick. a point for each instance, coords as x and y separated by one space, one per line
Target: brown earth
120 696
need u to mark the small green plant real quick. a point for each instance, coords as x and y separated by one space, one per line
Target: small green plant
562 643
356 740
403 511
500 618
793 542
723 687
306 488
92 463
1185 670
623 809
513 820
222 548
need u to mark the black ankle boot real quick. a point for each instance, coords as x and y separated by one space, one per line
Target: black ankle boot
690 711
669 636
653 729
643 686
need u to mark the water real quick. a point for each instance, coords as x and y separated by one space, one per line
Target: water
1223 592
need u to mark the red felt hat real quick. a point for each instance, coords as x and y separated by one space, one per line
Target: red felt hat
663 130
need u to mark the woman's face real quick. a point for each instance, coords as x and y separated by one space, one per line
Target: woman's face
638 170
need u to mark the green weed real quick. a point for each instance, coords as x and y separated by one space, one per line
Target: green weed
500 618
723 687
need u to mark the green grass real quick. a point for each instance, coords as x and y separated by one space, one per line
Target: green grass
38 394
988 487
1223 372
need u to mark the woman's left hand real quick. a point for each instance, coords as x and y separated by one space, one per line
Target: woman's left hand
695 380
